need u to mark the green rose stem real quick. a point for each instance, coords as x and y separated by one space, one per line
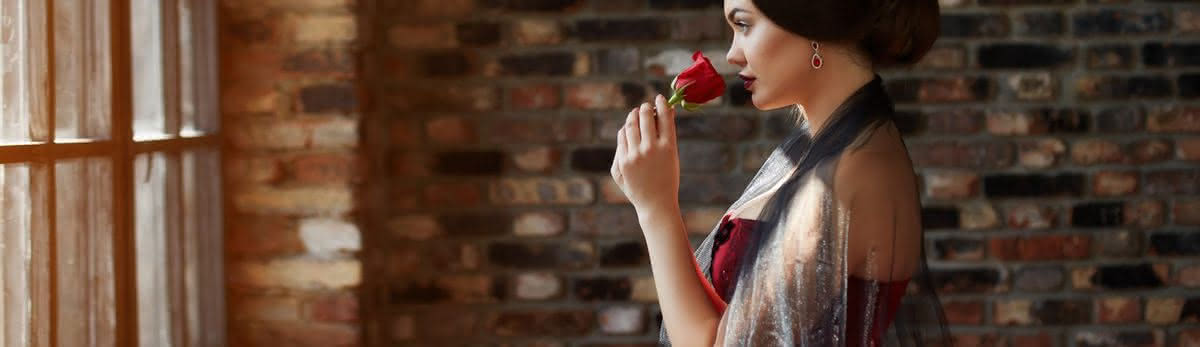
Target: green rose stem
677 97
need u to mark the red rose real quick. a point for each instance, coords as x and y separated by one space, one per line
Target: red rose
698 84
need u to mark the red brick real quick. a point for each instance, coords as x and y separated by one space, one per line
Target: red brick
1090 152
247 168
534 97
1188 276
1188 21
262 308
323 28
1150 151
1144 213
953 154
1040 154
451 130
537 32
458 98
422 35
951 185
1163 310
296 273
1119 310
1187 212
325 168
595 96
294 200
963 312
429 8
1113 183
1188 149
413 164
1174 120
1039 340
1040 248
948 90
954 121
299 334
1031 216
260 236
459 194
944 58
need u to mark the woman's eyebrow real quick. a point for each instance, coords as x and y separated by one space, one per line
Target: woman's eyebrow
733 12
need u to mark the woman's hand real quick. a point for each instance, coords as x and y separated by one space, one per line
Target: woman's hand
646 166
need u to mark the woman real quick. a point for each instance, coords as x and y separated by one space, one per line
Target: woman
821 246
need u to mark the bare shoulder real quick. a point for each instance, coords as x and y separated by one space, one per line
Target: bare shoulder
879 167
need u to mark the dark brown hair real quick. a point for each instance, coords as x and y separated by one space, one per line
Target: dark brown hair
889 32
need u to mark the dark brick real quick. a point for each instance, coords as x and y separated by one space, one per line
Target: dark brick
424 291
780 123
593 159
959 89
319 60
592 30
535 5
909 122
1111 338
1039 278
540 64
954 121
959 249
1062 312
475 224
976 155
714 128
704 157
328 98
683 4
973 25
1180 181
965 280
1175 244
478 33
538 256
1191 310
1024 2
1124 87
626 254
711 189
483 163
634 94
1116 22
1033 185
1041 24
1024 56
448 64
1126 277
737 94
1109 56
1189 86
1097 214
543 323
1160 54
939 217
602 289
616 61
537 130
1120 119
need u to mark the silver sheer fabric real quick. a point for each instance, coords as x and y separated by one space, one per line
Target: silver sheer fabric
791 287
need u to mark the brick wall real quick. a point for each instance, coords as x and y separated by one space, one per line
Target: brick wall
291 114
1057 142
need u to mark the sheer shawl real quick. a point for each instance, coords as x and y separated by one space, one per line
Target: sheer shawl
791 287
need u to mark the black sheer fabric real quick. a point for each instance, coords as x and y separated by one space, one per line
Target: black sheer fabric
791 286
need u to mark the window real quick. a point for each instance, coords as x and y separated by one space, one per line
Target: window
110 205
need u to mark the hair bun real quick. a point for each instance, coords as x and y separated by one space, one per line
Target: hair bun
904 32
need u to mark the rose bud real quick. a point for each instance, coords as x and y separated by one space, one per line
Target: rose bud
698 84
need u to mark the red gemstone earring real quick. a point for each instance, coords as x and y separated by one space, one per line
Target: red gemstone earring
817 62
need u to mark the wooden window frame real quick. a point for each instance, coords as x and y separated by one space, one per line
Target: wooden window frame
122 149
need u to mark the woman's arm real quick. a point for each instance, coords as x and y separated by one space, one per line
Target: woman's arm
687 301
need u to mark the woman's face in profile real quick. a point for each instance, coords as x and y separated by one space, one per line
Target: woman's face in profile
775 61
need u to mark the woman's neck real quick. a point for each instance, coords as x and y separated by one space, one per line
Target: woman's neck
835 88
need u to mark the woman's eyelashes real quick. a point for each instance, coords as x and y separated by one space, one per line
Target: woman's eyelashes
740 26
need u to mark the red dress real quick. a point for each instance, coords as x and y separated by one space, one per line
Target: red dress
731 241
